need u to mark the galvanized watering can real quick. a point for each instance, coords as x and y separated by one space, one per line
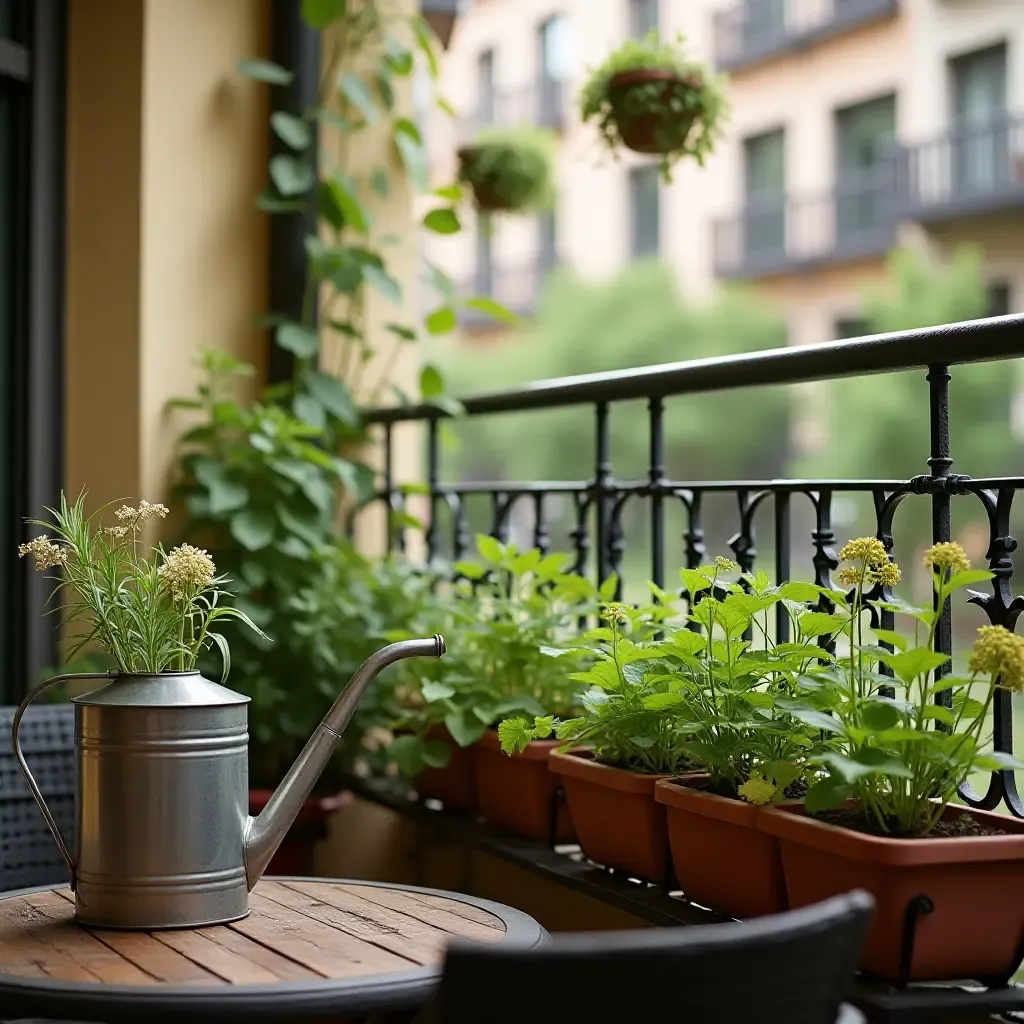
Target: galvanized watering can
163 835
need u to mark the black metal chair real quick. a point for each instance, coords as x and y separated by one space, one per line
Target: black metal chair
793 968
28 854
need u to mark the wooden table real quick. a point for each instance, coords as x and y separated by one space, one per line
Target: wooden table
310 948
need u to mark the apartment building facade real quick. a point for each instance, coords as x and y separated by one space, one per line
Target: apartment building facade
856 125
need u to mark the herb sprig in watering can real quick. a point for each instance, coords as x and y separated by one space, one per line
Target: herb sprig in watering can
163 836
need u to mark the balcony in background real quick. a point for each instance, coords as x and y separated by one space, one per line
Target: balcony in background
969 170
517 287
755 30
778 236
543 103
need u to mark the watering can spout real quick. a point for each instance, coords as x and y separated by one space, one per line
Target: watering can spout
264 833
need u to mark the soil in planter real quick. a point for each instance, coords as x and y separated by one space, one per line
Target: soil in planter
956 828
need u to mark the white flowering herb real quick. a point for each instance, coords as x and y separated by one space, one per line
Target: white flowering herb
152 610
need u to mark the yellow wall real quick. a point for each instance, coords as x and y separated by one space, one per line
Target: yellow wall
166 251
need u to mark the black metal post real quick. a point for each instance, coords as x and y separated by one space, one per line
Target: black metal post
296 47
602 480
656 407
939 463
433 479
782 562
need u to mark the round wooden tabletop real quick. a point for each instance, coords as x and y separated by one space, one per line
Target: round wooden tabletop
309 948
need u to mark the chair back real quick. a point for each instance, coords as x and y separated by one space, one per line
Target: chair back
28 854
795 968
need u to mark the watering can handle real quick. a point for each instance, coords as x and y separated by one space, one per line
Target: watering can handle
20 755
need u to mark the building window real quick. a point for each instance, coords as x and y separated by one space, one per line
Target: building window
547 241
485 100
997 299
980 134
850 327
764 166
31 331
645 211
864 137
483 263
554 68
764 23
643 17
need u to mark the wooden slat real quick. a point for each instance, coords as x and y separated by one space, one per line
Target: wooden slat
466 910
37 939
18 962
83 947
153 957
409 938
332 953
200 948
442 918
280 966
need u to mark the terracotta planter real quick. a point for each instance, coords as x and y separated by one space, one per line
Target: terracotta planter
453 784
721 859
485 186
657 128
618 822
516 793
974 884
296 854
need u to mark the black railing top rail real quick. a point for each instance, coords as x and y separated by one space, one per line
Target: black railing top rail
950 344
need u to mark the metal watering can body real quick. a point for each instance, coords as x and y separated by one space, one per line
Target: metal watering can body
163 835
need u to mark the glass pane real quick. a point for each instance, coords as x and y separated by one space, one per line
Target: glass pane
764 22
485 87
555 49
981 137
645 211
864 136
547 235
765 183
483 277
643 17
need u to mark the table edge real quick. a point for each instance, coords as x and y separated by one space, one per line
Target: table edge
401 989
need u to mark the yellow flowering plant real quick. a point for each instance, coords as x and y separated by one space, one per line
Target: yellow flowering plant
151 610
908 735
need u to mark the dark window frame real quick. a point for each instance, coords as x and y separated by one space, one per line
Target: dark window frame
638 248
34 76
641 10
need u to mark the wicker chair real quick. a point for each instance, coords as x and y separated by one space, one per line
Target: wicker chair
794 968
28 854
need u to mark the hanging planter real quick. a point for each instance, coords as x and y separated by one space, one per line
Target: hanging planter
946 907
720 857
519 793
649 98
510 169
618 822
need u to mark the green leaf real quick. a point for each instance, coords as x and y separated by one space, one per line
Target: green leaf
997 760
291 130
298 339
414 157
490 549
407 754
354 89
470 570
658 701
401 331
891 637
514 734
379 181
385 89
827 795
333 394
310 411
397 57
309 532
967 708
264 71
290 175
318 14
966 578
795 590
268 202
252 528
814 624
442 221
608 588
816 719
879 714
441 321
433 690
939 713
908 665
495 310
378 278
340 205
436 754
453 193
464 730
425 41
431 381
694 582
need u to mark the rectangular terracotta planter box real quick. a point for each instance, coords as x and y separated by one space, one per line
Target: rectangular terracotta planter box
975 885
618 822
454 784
721 859
515 793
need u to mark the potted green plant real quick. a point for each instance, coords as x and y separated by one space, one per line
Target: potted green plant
514 606
625 741
651 98
510 169
882 818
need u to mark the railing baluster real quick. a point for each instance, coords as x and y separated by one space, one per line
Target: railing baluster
939 463
581 534
460 528
395 538
602 486
783 557
433 482
656 409
541 537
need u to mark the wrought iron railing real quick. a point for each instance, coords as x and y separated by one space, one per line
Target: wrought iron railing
754 30
971 169
778 234
599 499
